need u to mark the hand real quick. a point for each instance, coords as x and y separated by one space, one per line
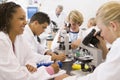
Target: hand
31 68
49 53
75 44
61 57
55 67
102 45
61 77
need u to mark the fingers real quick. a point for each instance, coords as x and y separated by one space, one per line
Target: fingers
55 67
31 68
99 38
54 57
73 46
102 42
62 57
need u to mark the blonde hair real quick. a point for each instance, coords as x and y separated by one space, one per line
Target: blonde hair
76 17
110 11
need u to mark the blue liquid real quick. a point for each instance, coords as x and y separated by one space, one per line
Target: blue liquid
48 64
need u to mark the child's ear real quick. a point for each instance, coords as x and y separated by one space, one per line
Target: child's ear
114 25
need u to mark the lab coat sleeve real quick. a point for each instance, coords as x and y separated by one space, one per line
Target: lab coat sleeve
32 52
33 58
41 49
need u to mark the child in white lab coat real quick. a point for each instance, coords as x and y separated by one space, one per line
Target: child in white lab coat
38 23
17 60
75 20
108 21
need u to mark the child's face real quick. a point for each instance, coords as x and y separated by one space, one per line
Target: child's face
106 32
18 21
74 26
40 28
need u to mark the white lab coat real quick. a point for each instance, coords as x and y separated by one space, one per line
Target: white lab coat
108 70
32 41
12 64
59 20
43 37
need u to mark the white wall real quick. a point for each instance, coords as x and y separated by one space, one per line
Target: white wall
87 7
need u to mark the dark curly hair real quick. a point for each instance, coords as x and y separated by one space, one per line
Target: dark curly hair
6 13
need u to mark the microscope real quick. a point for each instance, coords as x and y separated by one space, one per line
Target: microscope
83 59
54 26
64 43
88 56
53 29
90 43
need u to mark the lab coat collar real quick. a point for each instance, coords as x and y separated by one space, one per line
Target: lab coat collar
30 31
114 48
